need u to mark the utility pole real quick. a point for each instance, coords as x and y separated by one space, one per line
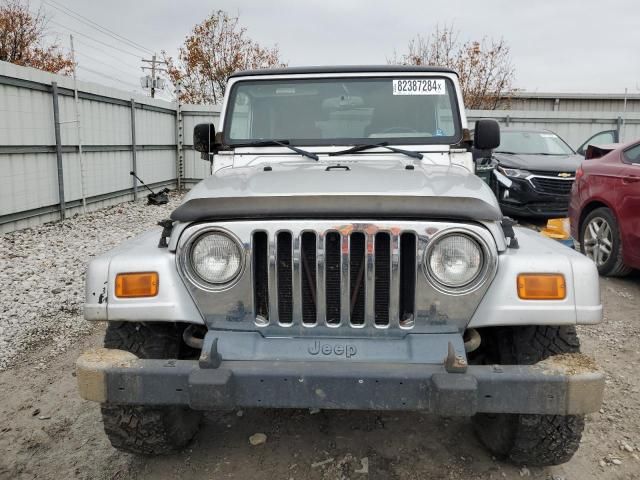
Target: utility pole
155 82
78 129
153 76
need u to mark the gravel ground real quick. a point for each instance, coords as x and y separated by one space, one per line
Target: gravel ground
42 274
47 432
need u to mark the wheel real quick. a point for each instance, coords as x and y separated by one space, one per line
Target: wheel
600 241
138 428
534 440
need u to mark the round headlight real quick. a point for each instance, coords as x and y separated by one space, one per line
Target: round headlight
455 260
216 258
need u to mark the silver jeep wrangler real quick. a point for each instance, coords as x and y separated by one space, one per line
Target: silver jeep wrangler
343 255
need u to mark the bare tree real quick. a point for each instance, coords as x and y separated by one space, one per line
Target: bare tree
215 49
22 39
485 68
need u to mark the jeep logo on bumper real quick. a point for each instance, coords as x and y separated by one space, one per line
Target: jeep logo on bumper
347 350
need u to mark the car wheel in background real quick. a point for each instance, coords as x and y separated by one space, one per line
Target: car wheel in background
600 241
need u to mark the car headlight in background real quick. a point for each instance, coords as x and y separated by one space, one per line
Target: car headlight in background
216 258
514 172
454 260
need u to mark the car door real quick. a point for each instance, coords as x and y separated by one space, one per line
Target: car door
629 207
606 137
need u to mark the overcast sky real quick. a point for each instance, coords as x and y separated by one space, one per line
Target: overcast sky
556 45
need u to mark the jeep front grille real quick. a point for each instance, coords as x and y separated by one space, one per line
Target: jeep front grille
335 278
355 278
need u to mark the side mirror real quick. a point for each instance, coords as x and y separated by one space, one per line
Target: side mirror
486 134
204 135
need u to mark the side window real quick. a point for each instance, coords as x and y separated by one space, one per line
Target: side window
241 125
632 154
601 138
444 117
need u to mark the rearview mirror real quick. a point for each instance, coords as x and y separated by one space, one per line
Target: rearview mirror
204 135
486 134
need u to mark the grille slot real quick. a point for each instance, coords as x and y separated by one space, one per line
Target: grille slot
347 279
552 185
357 277
260 275
382 278
285 277
332 277
308 266
407 279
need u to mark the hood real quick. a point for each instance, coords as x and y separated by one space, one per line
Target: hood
546 163
340 188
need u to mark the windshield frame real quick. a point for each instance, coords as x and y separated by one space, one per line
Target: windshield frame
536 132
454 99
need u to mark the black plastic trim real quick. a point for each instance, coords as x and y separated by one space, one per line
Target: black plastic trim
341 69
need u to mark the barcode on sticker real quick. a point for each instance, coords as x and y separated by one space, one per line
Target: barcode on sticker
419 86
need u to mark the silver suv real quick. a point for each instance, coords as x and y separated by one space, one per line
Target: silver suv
343 255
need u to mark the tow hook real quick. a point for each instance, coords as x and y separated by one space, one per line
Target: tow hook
454 363
210 357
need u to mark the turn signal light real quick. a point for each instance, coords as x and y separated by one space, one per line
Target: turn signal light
134 285
541 286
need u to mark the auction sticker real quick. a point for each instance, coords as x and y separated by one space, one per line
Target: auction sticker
422 86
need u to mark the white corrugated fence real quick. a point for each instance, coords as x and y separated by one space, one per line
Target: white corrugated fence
31 190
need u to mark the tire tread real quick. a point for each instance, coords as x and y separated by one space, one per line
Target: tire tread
143 429
535 440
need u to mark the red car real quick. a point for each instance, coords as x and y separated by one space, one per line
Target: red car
605 207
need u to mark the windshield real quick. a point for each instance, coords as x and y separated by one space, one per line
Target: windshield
344 111
545 143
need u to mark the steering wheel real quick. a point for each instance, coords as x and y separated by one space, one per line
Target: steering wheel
399 130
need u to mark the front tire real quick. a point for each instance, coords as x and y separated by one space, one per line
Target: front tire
141 429
535 440
600 241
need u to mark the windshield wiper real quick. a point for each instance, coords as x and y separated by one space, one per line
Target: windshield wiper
282 143
360 148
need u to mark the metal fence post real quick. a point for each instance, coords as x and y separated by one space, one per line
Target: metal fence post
134 165
179 138
56 127
619 124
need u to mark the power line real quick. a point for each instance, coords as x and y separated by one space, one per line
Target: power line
87 21
94 40
104 52
89 57
104 75
106 80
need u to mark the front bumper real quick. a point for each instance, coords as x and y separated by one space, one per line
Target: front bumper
549 387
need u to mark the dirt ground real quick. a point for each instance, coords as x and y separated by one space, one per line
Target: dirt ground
47 432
